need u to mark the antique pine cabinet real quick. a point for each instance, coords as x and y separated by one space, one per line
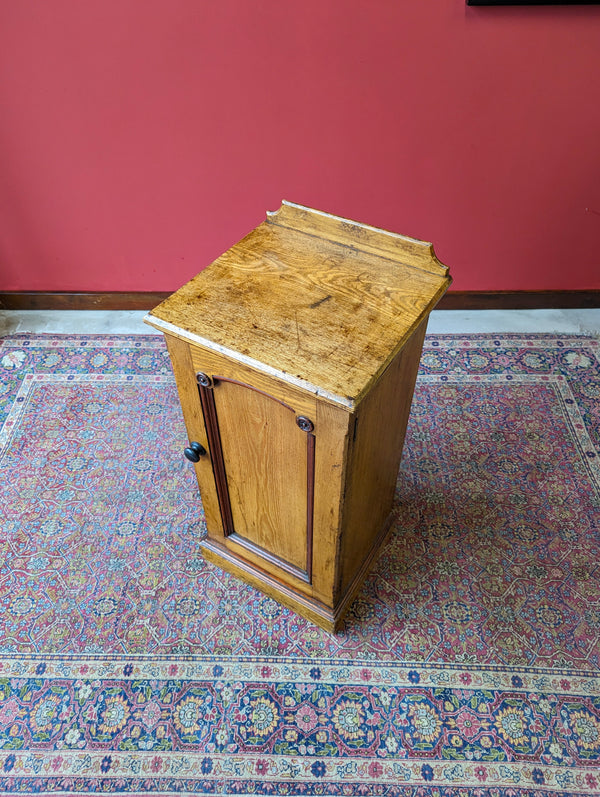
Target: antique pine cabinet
295 355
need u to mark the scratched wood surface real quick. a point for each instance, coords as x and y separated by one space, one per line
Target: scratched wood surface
317 299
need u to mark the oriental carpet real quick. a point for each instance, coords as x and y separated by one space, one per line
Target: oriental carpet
468 664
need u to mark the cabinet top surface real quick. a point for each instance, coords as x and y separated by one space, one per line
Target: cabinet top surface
319 301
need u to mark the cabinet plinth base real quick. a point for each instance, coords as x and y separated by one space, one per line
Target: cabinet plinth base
313 610
325 617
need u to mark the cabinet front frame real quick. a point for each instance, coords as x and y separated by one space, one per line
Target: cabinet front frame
331 448
323 476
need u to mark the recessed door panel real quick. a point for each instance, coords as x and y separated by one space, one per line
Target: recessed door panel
265 463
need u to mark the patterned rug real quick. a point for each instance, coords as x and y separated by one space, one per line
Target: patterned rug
469 663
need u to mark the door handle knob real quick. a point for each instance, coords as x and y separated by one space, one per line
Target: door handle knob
194 452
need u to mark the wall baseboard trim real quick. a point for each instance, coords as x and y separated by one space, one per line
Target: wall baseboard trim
519 300
146 300
72 300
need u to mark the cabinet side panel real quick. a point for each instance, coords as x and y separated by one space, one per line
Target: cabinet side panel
374 461
187 387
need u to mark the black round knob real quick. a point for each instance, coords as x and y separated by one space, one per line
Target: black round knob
194 452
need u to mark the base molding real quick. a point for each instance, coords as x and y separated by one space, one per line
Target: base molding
308 607
146 300
328 618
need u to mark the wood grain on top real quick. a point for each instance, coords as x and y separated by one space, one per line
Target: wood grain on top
319 301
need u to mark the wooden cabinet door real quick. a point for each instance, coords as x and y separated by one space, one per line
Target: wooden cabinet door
262 454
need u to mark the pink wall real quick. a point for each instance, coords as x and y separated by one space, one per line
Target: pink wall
141 138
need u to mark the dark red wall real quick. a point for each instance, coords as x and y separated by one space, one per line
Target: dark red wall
141 138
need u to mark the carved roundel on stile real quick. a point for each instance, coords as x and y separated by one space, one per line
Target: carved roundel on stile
204 379
305 423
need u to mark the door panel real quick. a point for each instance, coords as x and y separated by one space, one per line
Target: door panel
265 465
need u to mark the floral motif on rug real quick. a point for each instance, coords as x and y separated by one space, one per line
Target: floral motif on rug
468 664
